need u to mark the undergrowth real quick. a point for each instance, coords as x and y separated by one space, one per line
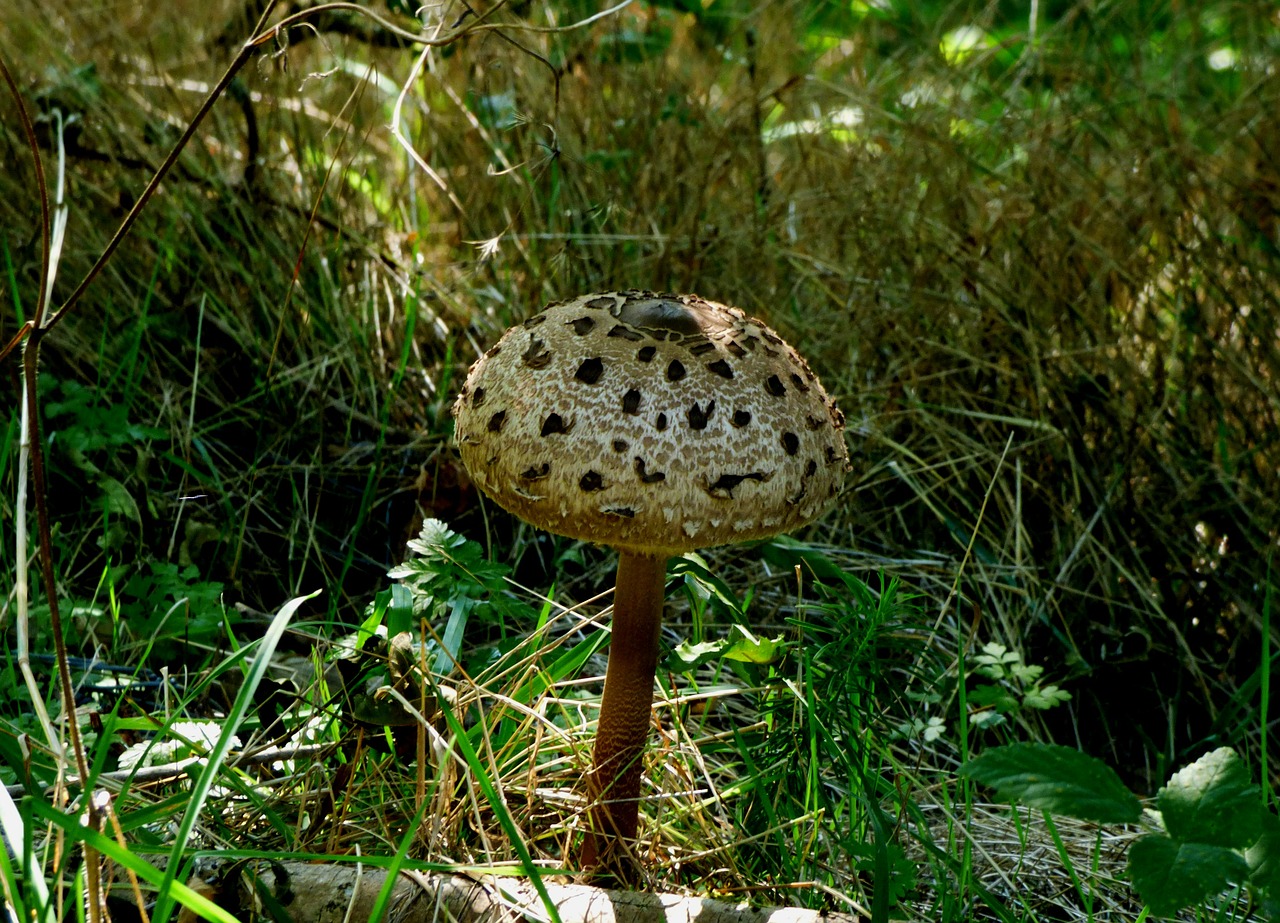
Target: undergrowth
1034 260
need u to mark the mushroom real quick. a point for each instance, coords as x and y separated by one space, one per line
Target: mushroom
654 424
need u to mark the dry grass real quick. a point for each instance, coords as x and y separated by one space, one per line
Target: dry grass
1044 294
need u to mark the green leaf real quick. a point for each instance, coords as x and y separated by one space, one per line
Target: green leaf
255 670
1169 875
1043 697
399 617
699 578
741 646
689 655
117 499
1058 779
747 648
1212 801
1264 856
988 696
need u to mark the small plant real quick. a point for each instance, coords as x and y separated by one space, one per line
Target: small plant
448 581
1014 685
1210 831
171 607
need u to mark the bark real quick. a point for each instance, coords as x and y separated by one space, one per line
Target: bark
335 893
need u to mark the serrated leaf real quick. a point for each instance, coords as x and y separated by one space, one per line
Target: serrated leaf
1169 875
1043 697
1212 801
1027 674
1058 779
995 653
988 696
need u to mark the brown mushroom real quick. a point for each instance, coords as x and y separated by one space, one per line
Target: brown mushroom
655 424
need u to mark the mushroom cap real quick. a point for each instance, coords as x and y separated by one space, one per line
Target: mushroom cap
652 423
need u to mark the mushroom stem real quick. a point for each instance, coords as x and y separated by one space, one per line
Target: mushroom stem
614 781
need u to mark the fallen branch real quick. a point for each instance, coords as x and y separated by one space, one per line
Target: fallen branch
335 893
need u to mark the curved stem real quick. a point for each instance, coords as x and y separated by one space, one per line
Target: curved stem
614 781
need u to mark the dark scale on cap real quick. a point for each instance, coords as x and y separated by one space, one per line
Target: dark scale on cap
721 368
492 351
589 371
622 331
537 356
725 484
554 424
520 429
536 474
698 417
648 478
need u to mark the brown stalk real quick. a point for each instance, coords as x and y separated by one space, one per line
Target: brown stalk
614 780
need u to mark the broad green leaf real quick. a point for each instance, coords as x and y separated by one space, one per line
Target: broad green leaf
400 611
741 645
699 578
117 499
1264 856
1169 875
1212 801
689 655
1058 779
747 648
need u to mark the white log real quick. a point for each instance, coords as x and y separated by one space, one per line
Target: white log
337 893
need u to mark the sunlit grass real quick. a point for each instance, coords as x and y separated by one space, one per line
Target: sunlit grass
1034 261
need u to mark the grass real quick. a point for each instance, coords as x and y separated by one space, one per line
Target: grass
1037 273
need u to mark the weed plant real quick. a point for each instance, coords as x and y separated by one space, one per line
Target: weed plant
1034 258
